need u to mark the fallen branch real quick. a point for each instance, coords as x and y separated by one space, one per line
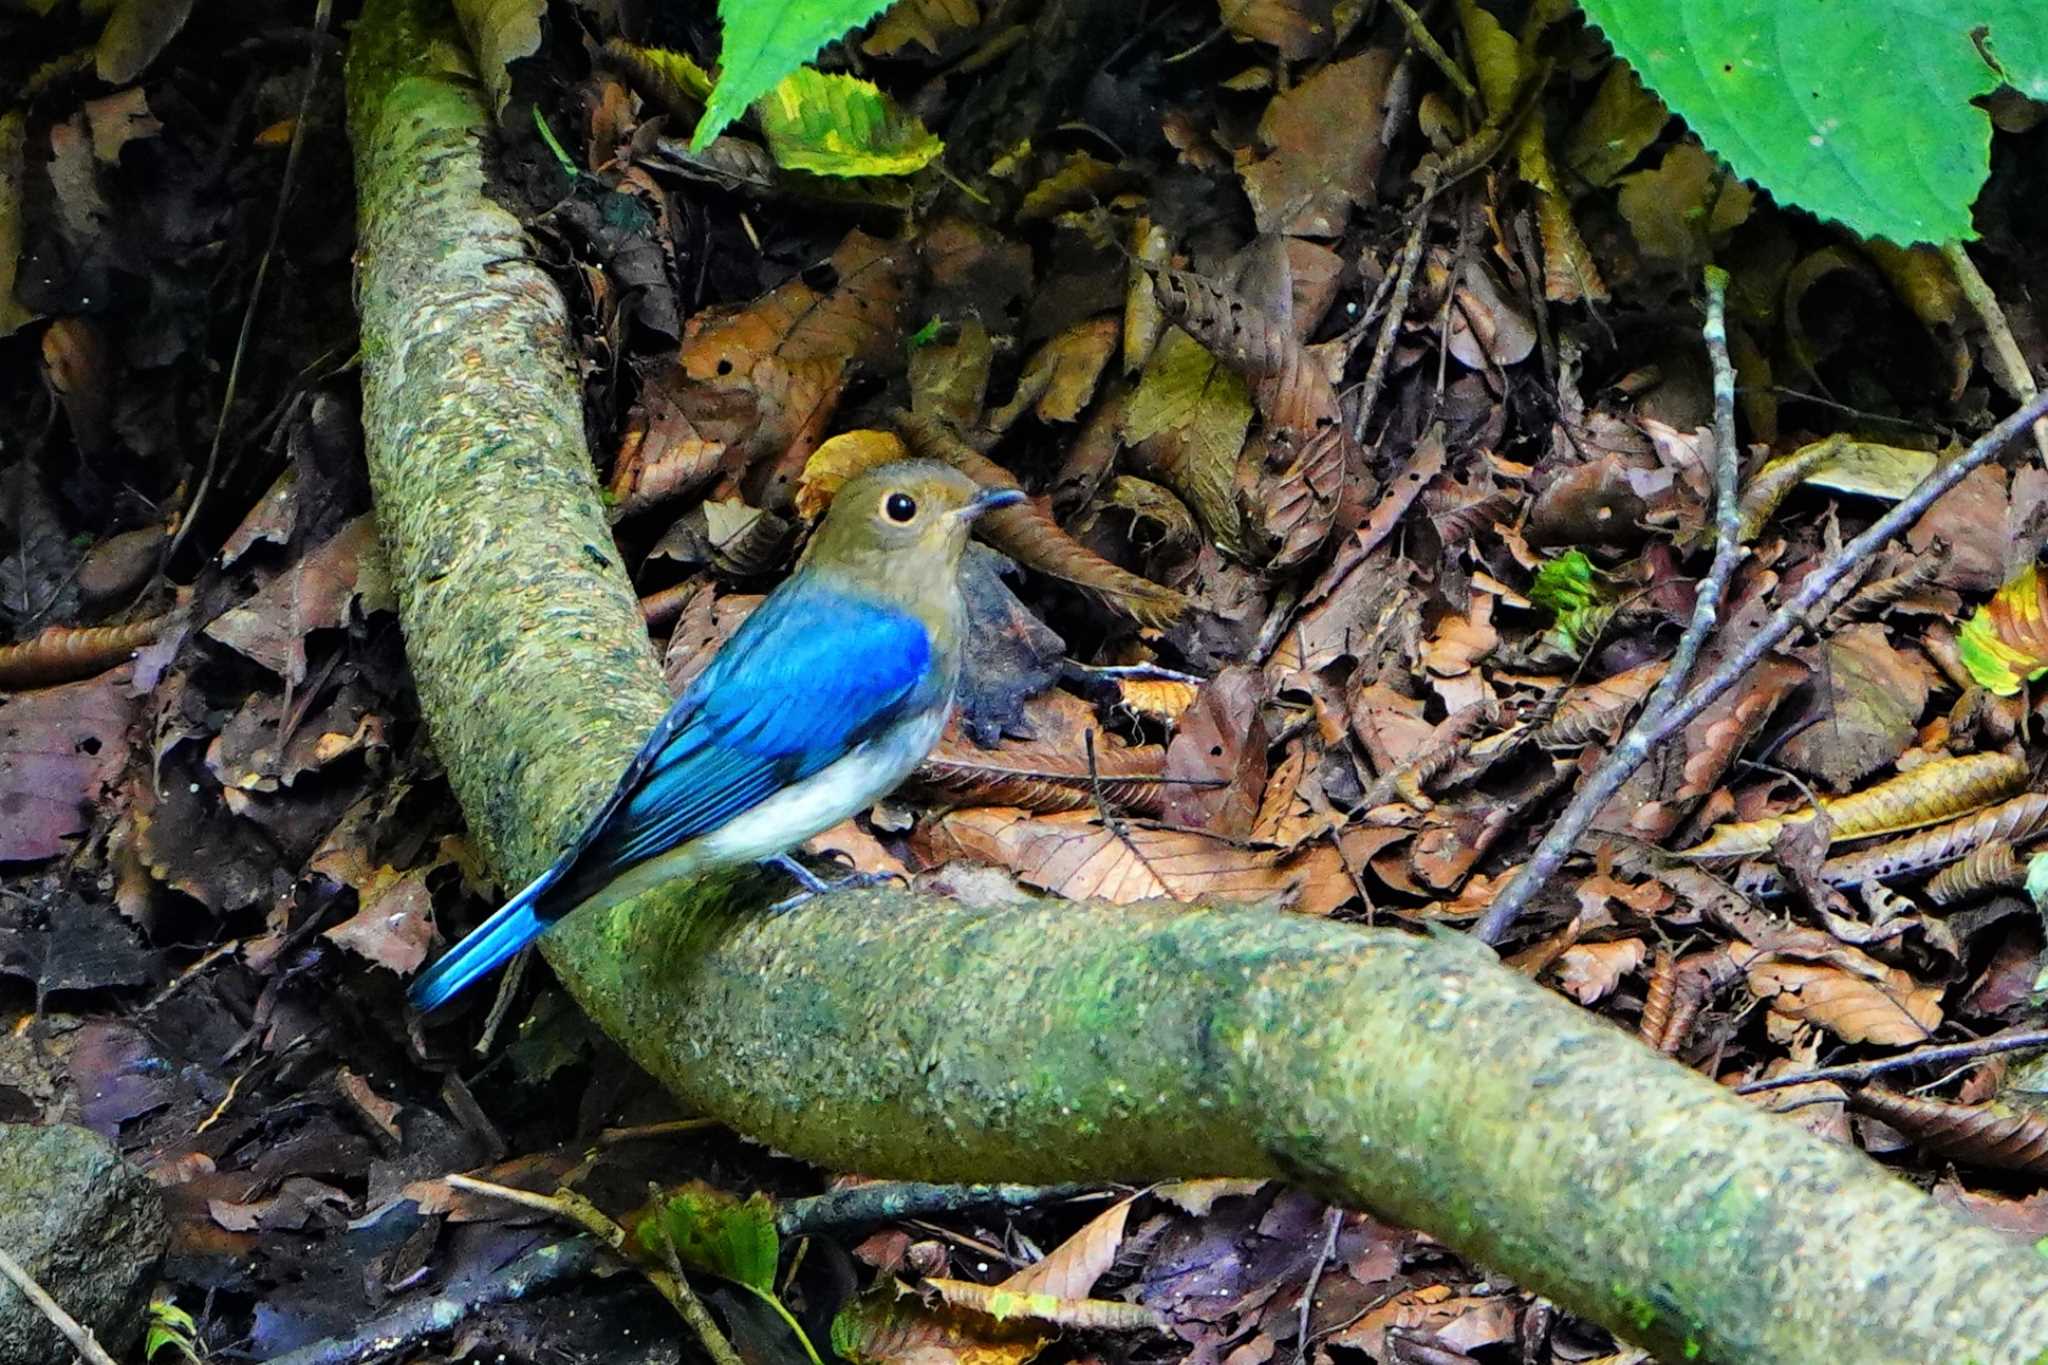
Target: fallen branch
383 1337
913 1037
886 1201
76 1333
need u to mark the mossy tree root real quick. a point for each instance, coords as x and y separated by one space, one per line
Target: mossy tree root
905 1036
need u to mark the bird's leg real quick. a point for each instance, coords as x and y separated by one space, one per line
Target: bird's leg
814 885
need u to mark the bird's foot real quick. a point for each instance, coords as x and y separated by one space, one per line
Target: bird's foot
814 885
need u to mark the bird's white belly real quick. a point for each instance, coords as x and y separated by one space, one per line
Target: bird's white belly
833 793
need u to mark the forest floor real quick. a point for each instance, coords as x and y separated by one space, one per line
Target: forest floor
1373 490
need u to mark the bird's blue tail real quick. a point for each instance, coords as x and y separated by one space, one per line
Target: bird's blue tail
483 950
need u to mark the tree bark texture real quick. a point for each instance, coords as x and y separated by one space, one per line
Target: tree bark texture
903 1035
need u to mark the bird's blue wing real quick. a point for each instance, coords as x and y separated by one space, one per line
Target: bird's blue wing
812 673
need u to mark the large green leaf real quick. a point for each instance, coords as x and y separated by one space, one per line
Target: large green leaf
1856 110
764 41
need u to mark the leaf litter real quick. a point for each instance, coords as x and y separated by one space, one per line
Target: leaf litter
1356 539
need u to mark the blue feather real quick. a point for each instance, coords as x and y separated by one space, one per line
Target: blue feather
813 673
810 675
492 943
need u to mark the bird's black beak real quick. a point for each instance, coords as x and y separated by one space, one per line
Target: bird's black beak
989 499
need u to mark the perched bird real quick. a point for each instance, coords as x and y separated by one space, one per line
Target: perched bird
820 704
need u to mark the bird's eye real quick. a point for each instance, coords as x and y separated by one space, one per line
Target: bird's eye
900 507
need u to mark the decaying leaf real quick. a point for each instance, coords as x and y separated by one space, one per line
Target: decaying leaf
1061 375
1008 1305
891 1325
931 24
1875 694
2005 642
317 593
1051 770
1836 463
1187 418
1326 149
846 456
1593 712
1075 855
1309 451
1885 1005
59 748
828 123
1935 791
769 375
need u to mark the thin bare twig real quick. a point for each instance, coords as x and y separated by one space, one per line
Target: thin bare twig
1333 1224
321 13
2002 353
1419 34
80 1337
1643 740
1390 325
1563 837
1971 1051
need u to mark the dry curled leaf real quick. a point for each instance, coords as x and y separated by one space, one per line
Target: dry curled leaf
1992 1135
1990 868
1935 791
1061 375
1071 1269
1589 972
2013 821
2005 642
1594 712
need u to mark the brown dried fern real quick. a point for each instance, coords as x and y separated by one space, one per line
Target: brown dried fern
62 654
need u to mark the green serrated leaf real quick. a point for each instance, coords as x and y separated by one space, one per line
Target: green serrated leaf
170 1326
714 1231
1860 112
764 42
843 126
1580 603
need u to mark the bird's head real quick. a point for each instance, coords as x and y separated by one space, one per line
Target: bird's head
901 524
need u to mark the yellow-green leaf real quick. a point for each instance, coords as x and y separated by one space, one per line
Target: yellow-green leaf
840 125
2006 642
